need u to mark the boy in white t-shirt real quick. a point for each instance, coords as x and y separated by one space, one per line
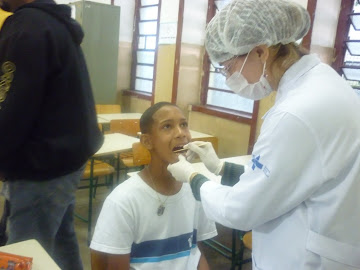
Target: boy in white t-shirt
151 221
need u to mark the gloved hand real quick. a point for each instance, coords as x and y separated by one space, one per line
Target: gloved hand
207 155
182 170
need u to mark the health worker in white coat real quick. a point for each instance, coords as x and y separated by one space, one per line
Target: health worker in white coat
300 193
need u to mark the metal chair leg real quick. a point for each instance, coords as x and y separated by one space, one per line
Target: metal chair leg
90 200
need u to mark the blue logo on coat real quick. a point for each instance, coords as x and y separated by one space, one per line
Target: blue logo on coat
257 164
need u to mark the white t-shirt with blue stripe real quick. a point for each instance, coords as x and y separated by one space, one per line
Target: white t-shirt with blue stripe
128 223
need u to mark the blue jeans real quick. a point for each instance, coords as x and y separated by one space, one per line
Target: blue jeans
45 211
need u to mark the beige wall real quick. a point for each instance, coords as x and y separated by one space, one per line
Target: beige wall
164 73
233 137
134 104
124 69
188 90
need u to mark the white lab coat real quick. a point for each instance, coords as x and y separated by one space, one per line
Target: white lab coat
301 192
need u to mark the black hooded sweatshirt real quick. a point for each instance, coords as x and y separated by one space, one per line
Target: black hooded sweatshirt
48 125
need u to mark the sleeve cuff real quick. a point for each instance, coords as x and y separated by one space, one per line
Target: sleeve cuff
196 184
231 174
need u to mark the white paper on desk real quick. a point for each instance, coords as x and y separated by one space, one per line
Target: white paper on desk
194 259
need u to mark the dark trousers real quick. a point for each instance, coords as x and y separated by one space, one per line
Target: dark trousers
3 223
45 211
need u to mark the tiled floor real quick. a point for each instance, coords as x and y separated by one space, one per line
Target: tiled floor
216 261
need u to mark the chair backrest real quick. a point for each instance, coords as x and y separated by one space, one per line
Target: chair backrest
213 140
247 240
107 108
140 154
129 127
100 127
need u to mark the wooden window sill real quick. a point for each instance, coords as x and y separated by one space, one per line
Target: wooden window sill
241 117
138 94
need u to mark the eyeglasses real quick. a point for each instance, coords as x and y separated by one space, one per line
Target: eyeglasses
225 70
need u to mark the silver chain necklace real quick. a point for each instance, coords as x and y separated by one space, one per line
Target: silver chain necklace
161 209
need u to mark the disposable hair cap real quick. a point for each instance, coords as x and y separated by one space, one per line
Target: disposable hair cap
244 24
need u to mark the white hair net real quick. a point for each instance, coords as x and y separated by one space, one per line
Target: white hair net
244 24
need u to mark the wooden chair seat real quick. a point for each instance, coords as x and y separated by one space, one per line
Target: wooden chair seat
100 169
128 161
129 127
140 156
247 240
107 108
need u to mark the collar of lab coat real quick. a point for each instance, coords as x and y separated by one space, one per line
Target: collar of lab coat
290 77
296 71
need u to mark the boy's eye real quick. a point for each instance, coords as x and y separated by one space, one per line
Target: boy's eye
185 124
167 126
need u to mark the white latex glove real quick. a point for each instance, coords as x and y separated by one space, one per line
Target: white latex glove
182 170
207 155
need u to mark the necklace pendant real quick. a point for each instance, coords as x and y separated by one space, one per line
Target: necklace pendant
160 210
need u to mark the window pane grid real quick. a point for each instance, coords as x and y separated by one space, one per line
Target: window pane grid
351 64
218 94
143 73
147 42
145 50
221 90
143 78
147 21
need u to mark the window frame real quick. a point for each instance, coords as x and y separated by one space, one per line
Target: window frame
342 37
135 49
238 116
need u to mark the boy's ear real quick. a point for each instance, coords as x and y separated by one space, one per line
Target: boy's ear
145 139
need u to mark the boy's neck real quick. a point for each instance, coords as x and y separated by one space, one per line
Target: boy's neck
160 179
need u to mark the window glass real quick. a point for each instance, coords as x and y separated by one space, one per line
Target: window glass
230 100
147 28
145 43
143 85
218 94
351 65
141 44
150 42
144 71
217 80
220 4
149 2
145 57
148 13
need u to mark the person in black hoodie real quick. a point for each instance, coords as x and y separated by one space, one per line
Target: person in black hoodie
48 124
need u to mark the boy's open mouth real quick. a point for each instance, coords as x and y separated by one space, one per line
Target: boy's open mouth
178 149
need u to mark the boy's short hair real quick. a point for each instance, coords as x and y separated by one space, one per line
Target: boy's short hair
146 120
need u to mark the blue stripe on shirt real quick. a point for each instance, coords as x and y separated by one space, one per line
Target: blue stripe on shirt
162 258
164 249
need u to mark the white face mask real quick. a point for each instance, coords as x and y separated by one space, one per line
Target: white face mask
255 91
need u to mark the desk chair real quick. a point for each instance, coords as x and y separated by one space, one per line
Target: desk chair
140 157
130 127
107 108
93 171
240 241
